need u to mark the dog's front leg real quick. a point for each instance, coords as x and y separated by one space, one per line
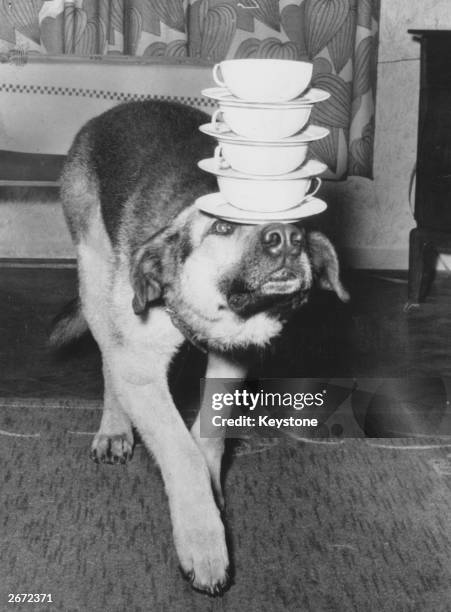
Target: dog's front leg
198 530
212 447
113 443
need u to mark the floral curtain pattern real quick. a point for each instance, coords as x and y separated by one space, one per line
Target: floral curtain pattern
338 36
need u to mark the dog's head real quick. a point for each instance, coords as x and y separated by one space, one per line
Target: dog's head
232 285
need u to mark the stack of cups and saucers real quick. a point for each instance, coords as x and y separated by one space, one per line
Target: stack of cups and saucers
261 162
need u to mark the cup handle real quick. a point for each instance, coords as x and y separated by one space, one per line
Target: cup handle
215 121
218 81
220 162
315 189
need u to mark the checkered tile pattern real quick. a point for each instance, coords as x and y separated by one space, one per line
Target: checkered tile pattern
100 94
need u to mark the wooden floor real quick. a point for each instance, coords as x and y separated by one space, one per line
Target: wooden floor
371 336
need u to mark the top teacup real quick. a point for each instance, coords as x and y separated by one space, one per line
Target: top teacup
264 80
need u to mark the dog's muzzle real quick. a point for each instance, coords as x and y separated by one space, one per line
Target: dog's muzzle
283 287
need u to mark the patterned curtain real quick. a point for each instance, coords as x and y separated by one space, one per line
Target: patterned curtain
339 36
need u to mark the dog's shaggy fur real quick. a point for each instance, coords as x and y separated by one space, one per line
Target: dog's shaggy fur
154 270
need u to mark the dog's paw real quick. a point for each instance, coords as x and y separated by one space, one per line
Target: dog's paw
112 449
203 558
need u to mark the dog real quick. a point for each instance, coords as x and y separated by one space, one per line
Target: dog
154 271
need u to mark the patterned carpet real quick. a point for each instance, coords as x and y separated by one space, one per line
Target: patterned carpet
359 525
332 527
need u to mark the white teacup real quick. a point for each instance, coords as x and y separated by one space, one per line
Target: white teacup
264 80
261 159
262 122
266 195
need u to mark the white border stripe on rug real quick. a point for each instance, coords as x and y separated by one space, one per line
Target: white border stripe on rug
67 403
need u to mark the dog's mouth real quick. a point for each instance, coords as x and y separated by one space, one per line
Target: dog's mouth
280 291
281 282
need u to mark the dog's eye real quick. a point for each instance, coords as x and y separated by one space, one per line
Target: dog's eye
222 227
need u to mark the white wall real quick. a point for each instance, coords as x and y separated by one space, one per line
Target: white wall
33 226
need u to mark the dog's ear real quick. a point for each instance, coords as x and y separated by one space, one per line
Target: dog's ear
146 275
326 269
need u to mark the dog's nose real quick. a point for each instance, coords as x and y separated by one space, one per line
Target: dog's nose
281 239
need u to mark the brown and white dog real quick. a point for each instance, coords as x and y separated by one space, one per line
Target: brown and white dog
153 271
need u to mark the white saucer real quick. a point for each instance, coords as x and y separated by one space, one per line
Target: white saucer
223 95
312 167
223 132
216 205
